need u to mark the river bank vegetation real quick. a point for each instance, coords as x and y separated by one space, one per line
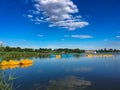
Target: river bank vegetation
17 52
40 50
8 53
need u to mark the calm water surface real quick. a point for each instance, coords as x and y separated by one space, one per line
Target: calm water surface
96 73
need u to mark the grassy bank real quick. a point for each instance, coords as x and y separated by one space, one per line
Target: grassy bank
7 53
17 55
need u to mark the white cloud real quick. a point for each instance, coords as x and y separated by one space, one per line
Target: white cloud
29 16
57 13
40 35
69 24
117 36
82 36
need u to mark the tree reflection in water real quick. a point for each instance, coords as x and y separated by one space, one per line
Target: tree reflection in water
68 83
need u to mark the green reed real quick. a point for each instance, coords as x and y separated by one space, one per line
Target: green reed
6 83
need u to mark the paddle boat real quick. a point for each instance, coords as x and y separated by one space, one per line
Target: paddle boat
13 62
58 56
26 61
3 63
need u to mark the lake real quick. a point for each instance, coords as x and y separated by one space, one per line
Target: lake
74 73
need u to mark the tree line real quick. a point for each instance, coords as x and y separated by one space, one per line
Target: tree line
40 50
108 50
49 50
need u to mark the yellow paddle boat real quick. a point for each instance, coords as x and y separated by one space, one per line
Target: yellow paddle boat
13 62
26 61
58 56
3 63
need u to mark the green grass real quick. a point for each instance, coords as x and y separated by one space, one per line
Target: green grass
18 55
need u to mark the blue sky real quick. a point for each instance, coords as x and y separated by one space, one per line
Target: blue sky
84 24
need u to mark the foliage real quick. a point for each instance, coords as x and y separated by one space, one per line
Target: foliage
66 50
108 50
40 50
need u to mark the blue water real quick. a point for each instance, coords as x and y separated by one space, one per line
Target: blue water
82 73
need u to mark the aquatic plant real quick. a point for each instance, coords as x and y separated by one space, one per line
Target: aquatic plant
6 83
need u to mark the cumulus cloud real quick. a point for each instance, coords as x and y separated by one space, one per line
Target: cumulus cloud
82 36
57 13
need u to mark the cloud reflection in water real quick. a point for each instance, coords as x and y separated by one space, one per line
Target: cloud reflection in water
68 83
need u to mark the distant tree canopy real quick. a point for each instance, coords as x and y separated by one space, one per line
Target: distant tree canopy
66 50
49 50
108 50
40 50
